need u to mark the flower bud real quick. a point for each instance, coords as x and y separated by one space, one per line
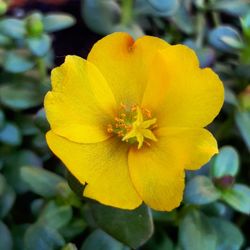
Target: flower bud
35 24
3 7
224 182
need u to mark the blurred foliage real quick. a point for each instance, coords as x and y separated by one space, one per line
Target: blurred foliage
39 210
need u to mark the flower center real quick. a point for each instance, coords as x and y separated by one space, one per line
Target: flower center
134 124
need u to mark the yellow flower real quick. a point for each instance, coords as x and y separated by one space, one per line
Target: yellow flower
130 119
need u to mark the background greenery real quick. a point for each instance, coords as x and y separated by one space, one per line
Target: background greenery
38 209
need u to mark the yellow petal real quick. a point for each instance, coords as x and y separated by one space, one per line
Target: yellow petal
157 176
125 63
179 93
80 103
157 171
194 147
102 166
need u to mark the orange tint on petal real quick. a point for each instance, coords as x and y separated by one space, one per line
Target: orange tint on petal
125 63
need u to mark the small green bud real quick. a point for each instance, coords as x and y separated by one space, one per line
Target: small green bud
35 25
3 7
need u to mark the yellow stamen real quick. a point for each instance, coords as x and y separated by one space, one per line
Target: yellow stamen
134 124
141 129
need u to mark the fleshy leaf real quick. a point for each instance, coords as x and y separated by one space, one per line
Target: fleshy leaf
99 240
57 21
200 190
217 35
101 16
41 181
196 233
55 216
228 235
238 197
39 46
226 163
131 227
10 135
6 242
243 123
42 237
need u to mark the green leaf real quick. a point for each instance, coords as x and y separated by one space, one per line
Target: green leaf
163 5
55 216
232 42
75 227
41 181
26 124
238 197
13 28
75 184
41 120
4 40
219 33
70 246
99 240
39 46
101 16
160 216
19 95
42 237
17 62
230 97
160 241
196 233
183 19
131 227
13 165
37 206
10 135
2 119
200 190
243 123
7 200
225 163
57 21
18 231
217 209
156 7
6 242
2 184
228 235
233 7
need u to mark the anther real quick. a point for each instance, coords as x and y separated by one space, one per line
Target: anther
123 106
147 143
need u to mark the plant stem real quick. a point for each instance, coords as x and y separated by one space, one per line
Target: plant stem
42 69
127 14
201 23
215 15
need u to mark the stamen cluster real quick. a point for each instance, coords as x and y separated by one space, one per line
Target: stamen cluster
132 124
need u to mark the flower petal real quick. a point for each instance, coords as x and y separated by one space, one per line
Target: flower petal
80 103
125 63
179 92
157 172
194 147
157 177
102 166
